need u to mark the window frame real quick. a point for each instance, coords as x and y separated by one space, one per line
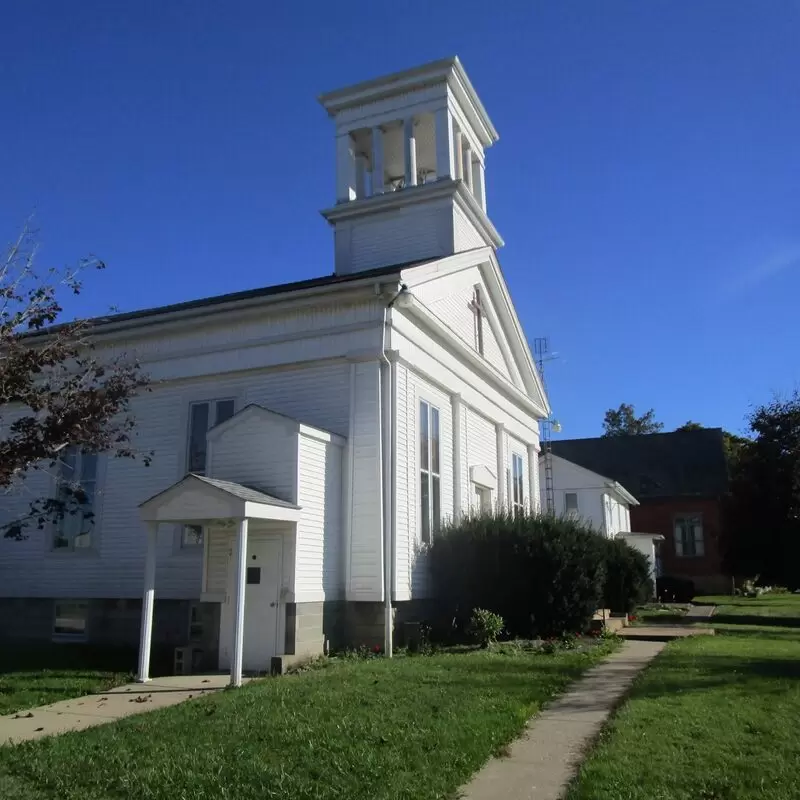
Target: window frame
66 636
517 484
572 513
57 526
430 521
193 536
697 518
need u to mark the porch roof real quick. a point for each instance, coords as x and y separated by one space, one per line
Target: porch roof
197 498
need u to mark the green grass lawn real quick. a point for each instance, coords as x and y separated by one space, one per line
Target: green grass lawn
769 609
31 677
411 727
714 718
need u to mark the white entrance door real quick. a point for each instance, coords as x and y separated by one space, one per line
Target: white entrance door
261 604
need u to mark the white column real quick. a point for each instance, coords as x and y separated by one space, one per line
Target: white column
501 466
457 498
361 176
468 165
458 146
148 602
533 479
479 183
445 167
411 152
345 169
238 619
377 160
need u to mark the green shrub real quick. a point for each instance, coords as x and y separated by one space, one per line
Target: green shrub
542 574
485 626
627 579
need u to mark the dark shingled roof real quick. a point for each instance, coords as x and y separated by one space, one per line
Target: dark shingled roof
681 463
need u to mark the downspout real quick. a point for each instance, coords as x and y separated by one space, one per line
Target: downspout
388 484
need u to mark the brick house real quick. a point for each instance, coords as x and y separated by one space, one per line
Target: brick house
680 480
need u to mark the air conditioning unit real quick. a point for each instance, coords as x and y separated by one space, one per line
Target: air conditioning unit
187 660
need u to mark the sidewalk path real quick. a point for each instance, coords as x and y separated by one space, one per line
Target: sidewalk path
699 613
543 761
97 709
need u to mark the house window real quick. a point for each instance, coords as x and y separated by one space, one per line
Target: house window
430 482
571 505
77 485
69 620
476 306
517 490
689 540
483 499
202 417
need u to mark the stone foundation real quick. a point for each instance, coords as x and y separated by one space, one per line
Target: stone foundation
115 622
314 628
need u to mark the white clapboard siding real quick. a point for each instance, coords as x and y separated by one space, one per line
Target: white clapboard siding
219 550
422 390
366 545
466 489
318 565
257 448
114 567
402 575
408 234
481 447
465 234
454 310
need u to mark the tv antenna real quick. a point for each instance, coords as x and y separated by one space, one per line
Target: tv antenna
541 348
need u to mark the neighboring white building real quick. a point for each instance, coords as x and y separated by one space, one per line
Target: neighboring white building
602 503
330 425
580 493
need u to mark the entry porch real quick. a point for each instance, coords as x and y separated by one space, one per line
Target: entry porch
258 530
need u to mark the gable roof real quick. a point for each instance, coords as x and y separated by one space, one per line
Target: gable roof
607 483
243 492
254 409
486 259
681 463
144 316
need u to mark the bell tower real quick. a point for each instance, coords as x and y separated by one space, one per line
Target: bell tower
410 174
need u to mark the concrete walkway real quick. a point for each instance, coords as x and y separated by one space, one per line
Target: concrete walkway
699 613
97 709
543 761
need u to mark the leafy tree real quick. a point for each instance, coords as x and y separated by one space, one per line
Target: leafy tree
623 421
763 524
690 426
57 389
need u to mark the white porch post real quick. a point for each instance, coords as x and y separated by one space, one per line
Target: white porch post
458 146
468 166
445 161
533 478
377 160
501 467
411 152
148 600
238 619
479 183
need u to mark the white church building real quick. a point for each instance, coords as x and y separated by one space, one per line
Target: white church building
309 439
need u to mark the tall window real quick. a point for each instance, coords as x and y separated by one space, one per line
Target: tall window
689 536
517 489
571 505
430 482
77 482
202 417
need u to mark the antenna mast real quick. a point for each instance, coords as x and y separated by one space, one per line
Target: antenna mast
541 349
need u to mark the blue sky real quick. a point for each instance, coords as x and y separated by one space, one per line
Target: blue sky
646 181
